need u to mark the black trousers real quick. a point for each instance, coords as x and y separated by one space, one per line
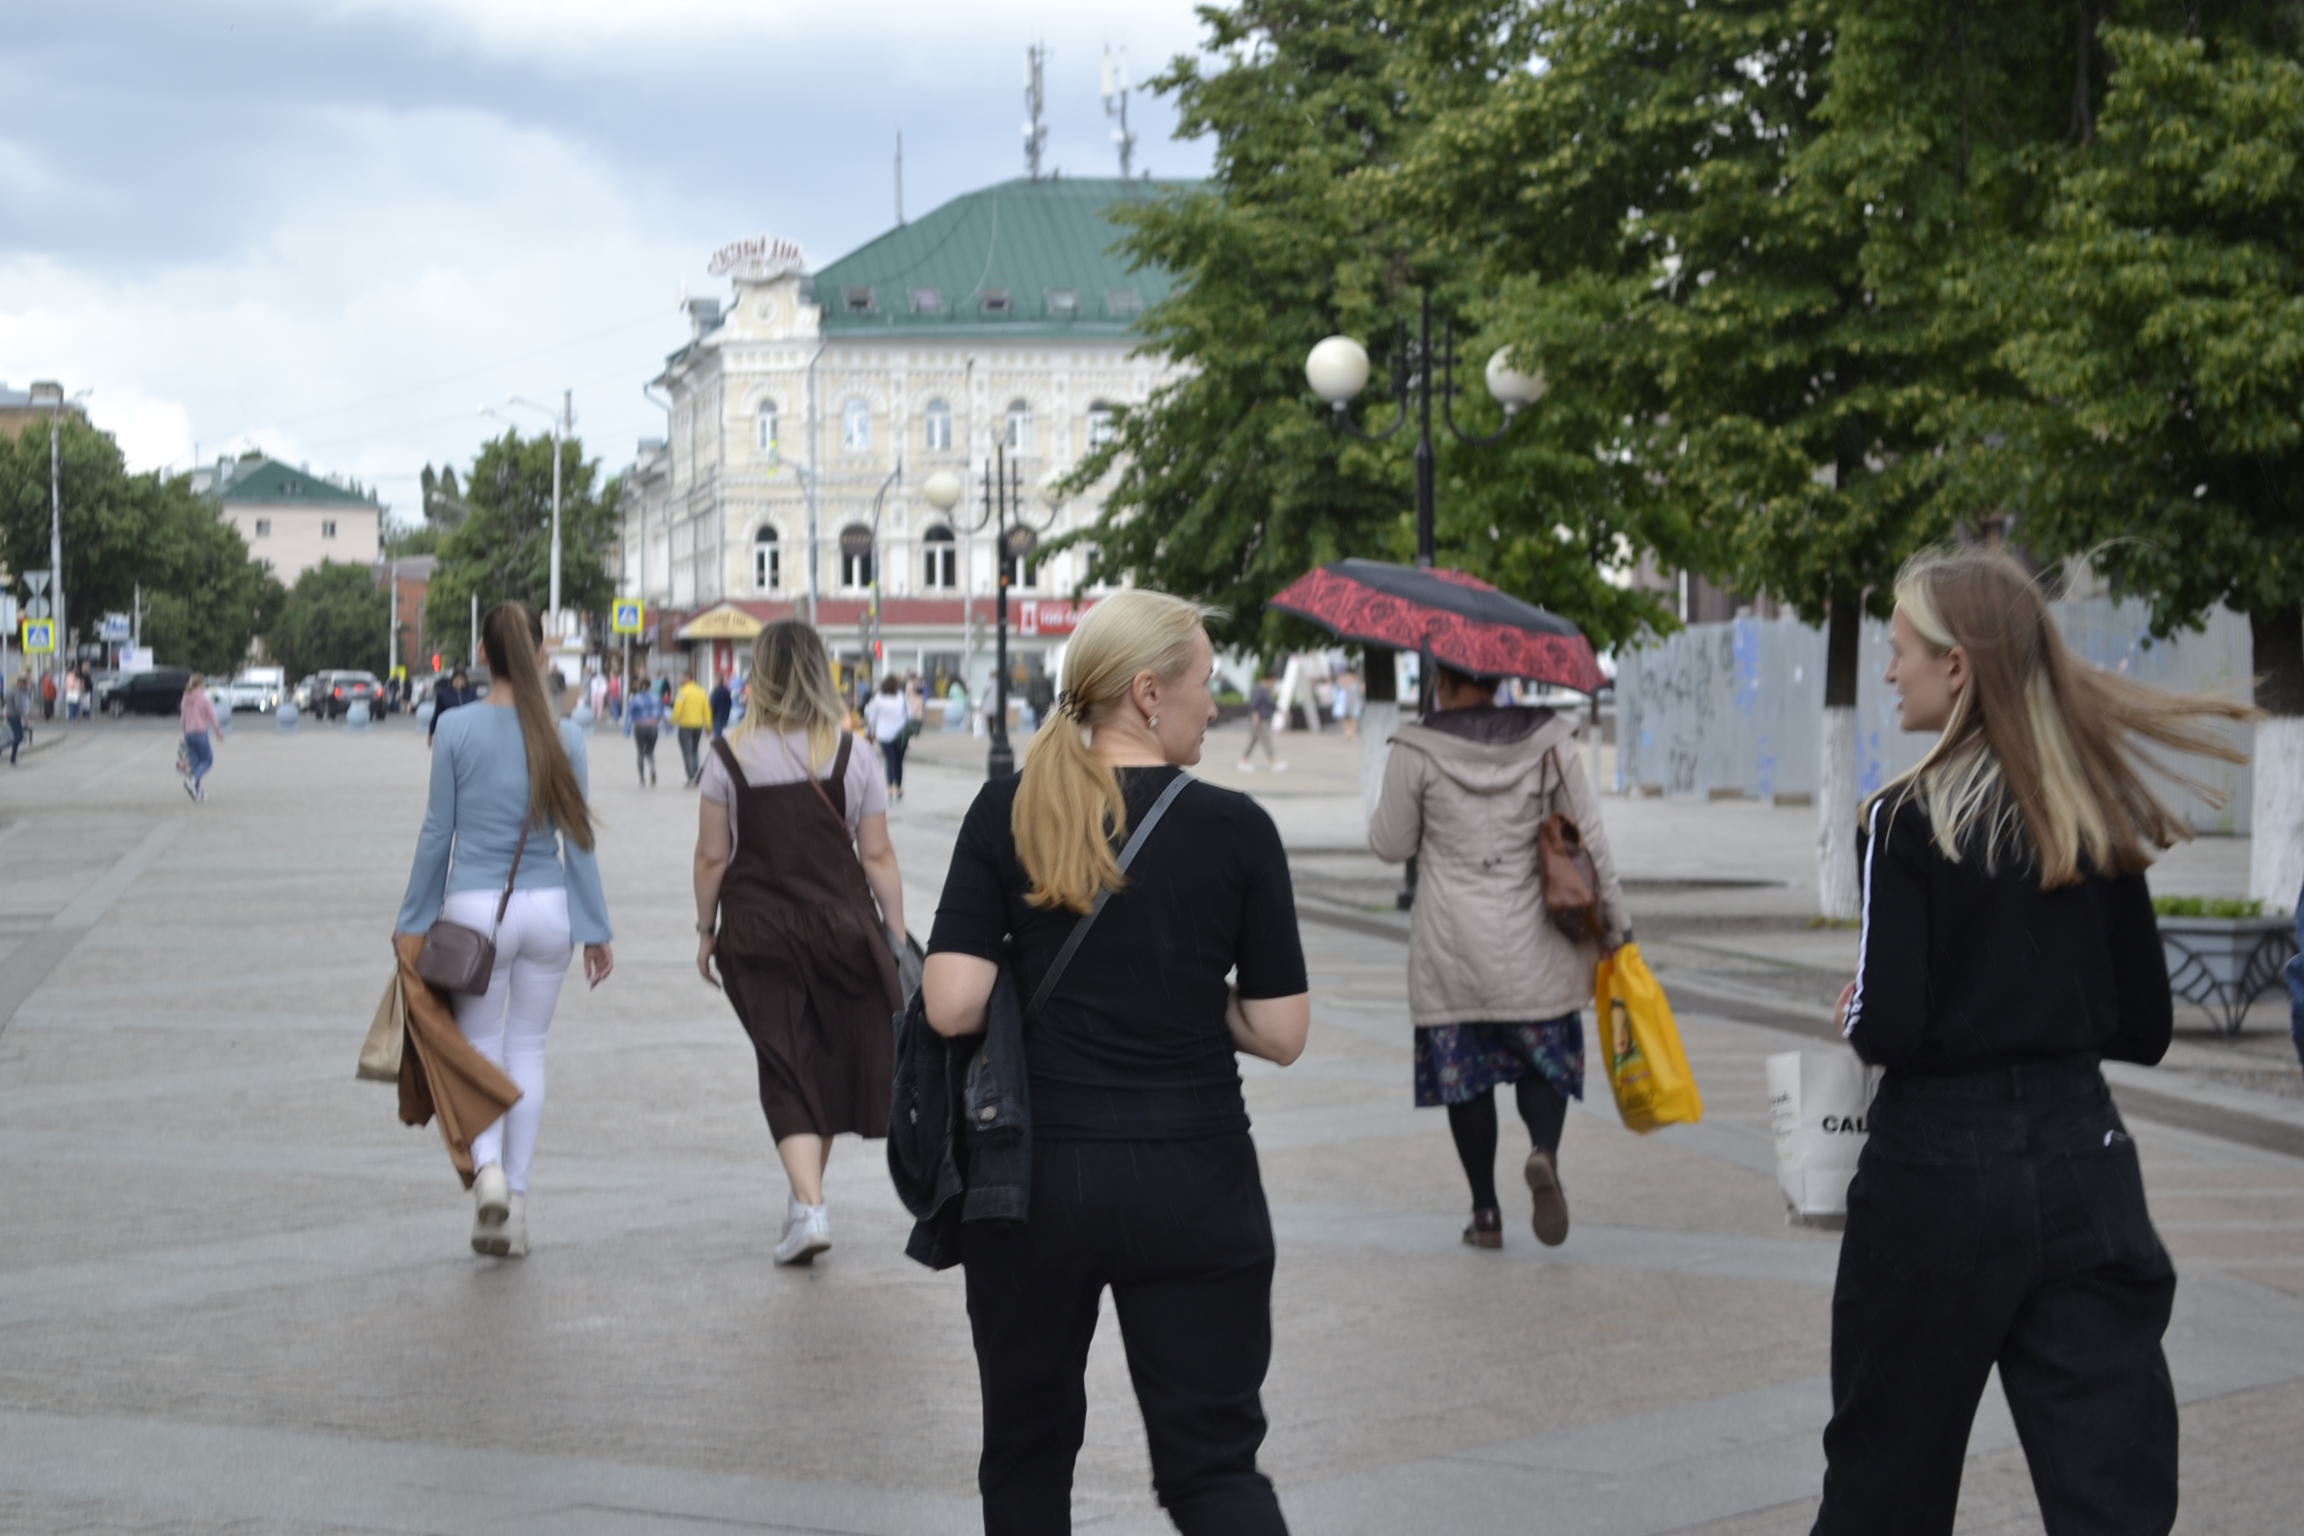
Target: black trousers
892 758
1180 1233
1998 1218
644 745
691 757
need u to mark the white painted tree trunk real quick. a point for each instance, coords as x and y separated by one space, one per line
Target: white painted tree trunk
1378 718
2276 815
1839 893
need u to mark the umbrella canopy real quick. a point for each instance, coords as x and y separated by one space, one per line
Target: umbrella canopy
1458 620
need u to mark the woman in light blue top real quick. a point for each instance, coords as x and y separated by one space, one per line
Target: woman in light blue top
495 770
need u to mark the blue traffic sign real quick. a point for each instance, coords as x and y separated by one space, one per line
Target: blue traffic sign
629 612
39 635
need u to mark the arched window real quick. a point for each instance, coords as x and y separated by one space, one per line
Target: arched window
767 561
1019 426
942 559
1101 427
856 557
764 430
936 422
856 426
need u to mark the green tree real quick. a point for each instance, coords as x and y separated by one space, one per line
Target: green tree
404 542
1231 481
334 617
443 500
502 550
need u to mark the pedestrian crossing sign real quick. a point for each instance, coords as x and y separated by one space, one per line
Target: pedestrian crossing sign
39 636
629 612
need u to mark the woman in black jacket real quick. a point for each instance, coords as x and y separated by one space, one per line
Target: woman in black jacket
1997 1217
1143 1176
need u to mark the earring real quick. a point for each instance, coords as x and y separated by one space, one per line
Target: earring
1153 721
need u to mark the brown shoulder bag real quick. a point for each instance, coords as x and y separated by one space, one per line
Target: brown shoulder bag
1570 881
460 959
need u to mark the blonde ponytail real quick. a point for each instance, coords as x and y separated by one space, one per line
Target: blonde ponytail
1069 807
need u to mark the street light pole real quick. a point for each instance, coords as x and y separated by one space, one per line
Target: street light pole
1003 515
872 655
58 403
563 428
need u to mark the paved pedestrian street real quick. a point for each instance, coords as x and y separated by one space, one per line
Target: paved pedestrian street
236 1296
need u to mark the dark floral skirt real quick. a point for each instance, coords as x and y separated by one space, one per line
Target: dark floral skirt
1457 1063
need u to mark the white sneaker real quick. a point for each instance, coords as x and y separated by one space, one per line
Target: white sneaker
491 1206
1247 766
515 1228
807 1233
1280 767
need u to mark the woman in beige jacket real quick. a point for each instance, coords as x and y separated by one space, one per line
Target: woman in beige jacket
1494 988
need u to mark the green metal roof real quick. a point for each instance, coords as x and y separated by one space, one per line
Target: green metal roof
1045 246
269 480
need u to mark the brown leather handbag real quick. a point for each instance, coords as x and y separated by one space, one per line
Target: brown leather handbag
1570 881
460 959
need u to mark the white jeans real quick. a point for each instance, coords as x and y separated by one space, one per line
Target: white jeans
508 1022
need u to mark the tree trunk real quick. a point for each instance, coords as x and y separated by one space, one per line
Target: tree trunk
1839 895
2276 825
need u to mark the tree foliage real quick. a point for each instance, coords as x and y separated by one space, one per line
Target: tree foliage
333 618
501 551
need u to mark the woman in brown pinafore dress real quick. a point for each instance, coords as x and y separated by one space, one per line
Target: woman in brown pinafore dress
798 913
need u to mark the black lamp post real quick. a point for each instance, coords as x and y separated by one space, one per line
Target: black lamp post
1013 540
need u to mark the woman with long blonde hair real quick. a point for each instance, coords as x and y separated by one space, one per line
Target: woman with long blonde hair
1142 1176
800 905
1997 1216
507 825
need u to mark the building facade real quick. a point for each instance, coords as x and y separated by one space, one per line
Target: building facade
292 519
808 411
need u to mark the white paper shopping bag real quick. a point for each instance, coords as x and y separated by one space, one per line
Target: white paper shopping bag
1817 1103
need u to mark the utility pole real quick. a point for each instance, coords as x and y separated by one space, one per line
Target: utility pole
565 429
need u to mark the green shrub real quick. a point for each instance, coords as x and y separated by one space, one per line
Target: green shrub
2207 906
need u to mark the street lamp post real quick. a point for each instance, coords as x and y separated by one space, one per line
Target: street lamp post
879 499
58 402
563 426
1012 539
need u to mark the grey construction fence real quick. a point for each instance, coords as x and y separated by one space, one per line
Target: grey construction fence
1737 709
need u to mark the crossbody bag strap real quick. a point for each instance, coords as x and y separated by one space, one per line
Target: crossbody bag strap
504 903
1127 857
839 770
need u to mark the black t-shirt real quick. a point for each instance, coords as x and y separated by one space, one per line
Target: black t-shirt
1960 969
1133 1045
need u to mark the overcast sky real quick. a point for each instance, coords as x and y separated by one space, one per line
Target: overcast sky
334 229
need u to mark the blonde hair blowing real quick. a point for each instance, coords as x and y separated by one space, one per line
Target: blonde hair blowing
1068 803
2040 758
512 638
792 690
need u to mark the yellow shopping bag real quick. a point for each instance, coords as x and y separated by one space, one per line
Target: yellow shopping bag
1640 1046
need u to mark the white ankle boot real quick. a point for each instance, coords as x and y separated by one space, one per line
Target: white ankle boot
807 1233
516 1229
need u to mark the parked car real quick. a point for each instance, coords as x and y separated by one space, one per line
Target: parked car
339 690
248 691
157 692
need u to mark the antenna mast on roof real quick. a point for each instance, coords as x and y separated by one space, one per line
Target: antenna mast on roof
899 178
1116 106
1035 101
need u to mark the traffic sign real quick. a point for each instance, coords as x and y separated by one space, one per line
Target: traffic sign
38 608
116 628
39 636
37 581
629 613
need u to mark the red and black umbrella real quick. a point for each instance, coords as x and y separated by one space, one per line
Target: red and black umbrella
1457 620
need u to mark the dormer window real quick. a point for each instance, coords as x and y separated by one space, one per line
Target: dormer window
857 300
927 301
1123 301
993 301
1063 302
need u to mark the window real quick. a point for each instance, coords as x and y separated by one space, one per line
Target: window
1101 428
858 301
942 559
328 529
855 557
767 561
1063 302
1020 571
927 301
263 527
764 429
936 422
1019 426
993 301
856 426
1123 301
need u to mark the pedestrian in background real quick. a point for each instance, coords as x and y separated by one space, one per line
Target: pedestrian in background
48 696
72 694
645 715
691 714
1495 988
889 720
507 812
1263 710
1143 1174
956 705
16 728
722 702
197 715
799 902
1997 1216
456 691
1348 691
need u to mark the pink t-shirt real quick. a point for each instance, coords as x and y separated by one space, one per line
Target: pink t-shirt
196 712
769 758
